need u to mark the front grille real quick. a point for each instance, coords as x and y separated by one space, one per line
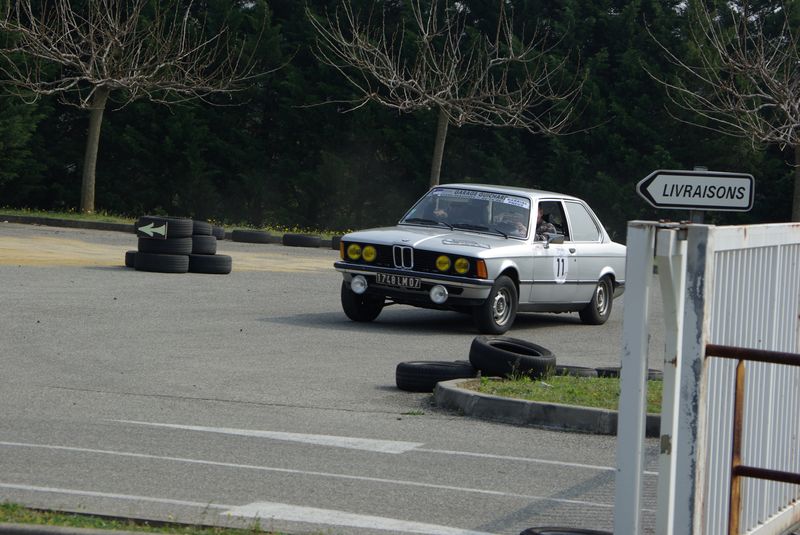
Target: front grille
406 257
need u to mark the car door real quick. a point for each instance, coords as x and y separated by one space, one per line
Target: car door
586 247
554 265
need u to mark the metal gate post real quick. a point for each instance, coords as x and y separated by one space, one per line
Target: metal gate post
688 447
671 263
633 381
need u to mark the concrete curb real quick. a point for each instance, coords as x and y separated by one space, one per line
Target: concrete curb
453 395
37 529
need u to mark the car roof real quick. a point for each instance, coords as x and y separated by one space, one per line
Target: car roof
533 194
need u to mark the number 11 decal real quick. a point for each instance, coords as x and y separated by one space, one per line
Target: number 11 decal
560 268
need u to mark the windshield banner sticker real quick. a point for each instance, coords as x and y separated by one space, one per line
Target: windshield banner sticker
483 196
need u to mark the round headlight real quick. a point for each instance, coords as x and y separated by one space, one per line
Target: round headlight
443 263
461 266
354 251
369 253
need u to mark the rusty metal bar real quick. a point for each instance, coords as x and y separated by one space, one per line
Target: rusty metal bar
738 470
755 355
769 475
734 511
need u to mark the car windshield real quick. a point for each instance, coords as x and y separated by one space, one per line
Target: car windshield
472 210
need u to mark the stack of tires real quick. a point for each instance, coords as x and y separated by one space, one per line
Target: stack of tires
176 245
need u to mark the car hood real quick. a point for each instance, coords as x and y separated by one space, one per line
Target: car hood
434 239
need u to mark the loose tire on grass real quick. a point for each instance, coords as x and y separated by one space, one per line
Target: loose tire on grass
218 232
252 236
161 263
130 258
202 244
213 264
422 376
180 246
503 356
201 228
177 227
301 240
575 371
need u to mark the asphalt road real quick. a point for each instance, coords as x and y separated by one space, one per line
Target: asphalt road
219 399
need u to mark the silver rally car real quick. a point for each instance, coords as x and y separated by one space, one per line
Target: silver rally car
490 251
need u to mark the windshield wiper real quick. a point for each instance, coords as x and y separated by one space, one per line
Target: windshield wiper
426 222
497 230
470 226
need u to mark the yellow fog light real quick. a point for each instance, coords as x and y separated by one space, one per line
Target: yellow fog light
443 263
461 265
354 251
369 253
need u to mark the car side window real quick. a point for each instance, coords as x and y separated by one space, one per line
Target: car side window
553 213
584 227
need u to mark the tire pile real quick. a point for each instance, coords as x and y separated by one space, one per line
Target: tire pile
495 356
177 245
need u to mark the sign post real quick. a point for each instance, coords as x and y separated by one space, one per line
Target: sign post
698 190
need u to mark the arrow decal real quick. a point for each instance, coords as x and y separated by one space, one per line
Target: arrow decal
149 229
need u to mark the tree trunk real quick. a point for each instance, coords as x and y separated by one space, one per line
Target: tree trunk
92 143
438 147
796 193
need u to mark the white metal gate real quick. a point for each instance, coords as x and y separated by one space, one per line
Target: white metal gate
733 286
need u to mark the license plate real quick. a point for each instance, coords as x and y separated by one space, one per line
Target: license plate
400 281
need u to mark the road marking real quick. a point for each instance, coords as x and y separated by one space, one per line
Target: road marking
398 482
94 494
279 511
271 511
380 446
527 460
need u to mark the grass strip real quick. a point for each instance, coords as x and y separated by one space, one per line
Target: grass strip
17 514
596 392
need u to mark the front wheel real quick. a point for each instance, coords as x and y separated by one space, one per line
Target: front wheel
363 308
496 315
599 309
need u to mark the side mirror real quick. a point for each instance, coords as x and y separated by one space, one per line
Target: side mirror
549 238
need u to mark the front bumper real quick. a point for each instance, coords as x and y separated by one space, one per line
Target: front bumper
463 291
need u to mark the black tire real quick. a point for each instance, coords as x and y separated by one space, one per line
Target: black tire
497 313
177 227
503 356
563 531
422 376
598 310
335 241
301 240
130 258
575 371
161 263
201 228
218 232
214 264
613 371
252 236
180 246
202 244
362 308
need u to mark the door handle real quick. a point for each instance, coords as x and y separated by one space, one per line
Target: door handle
571 249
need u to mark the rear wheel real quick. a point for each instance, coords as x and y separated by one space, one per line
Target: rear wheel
362 307
599 309
496 315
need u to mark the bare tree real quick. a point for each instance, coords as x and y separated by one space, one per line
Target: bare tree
744 79
495 80
136 49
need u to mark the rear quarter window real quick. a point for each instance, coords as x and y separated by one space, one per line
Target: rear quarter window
584 227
